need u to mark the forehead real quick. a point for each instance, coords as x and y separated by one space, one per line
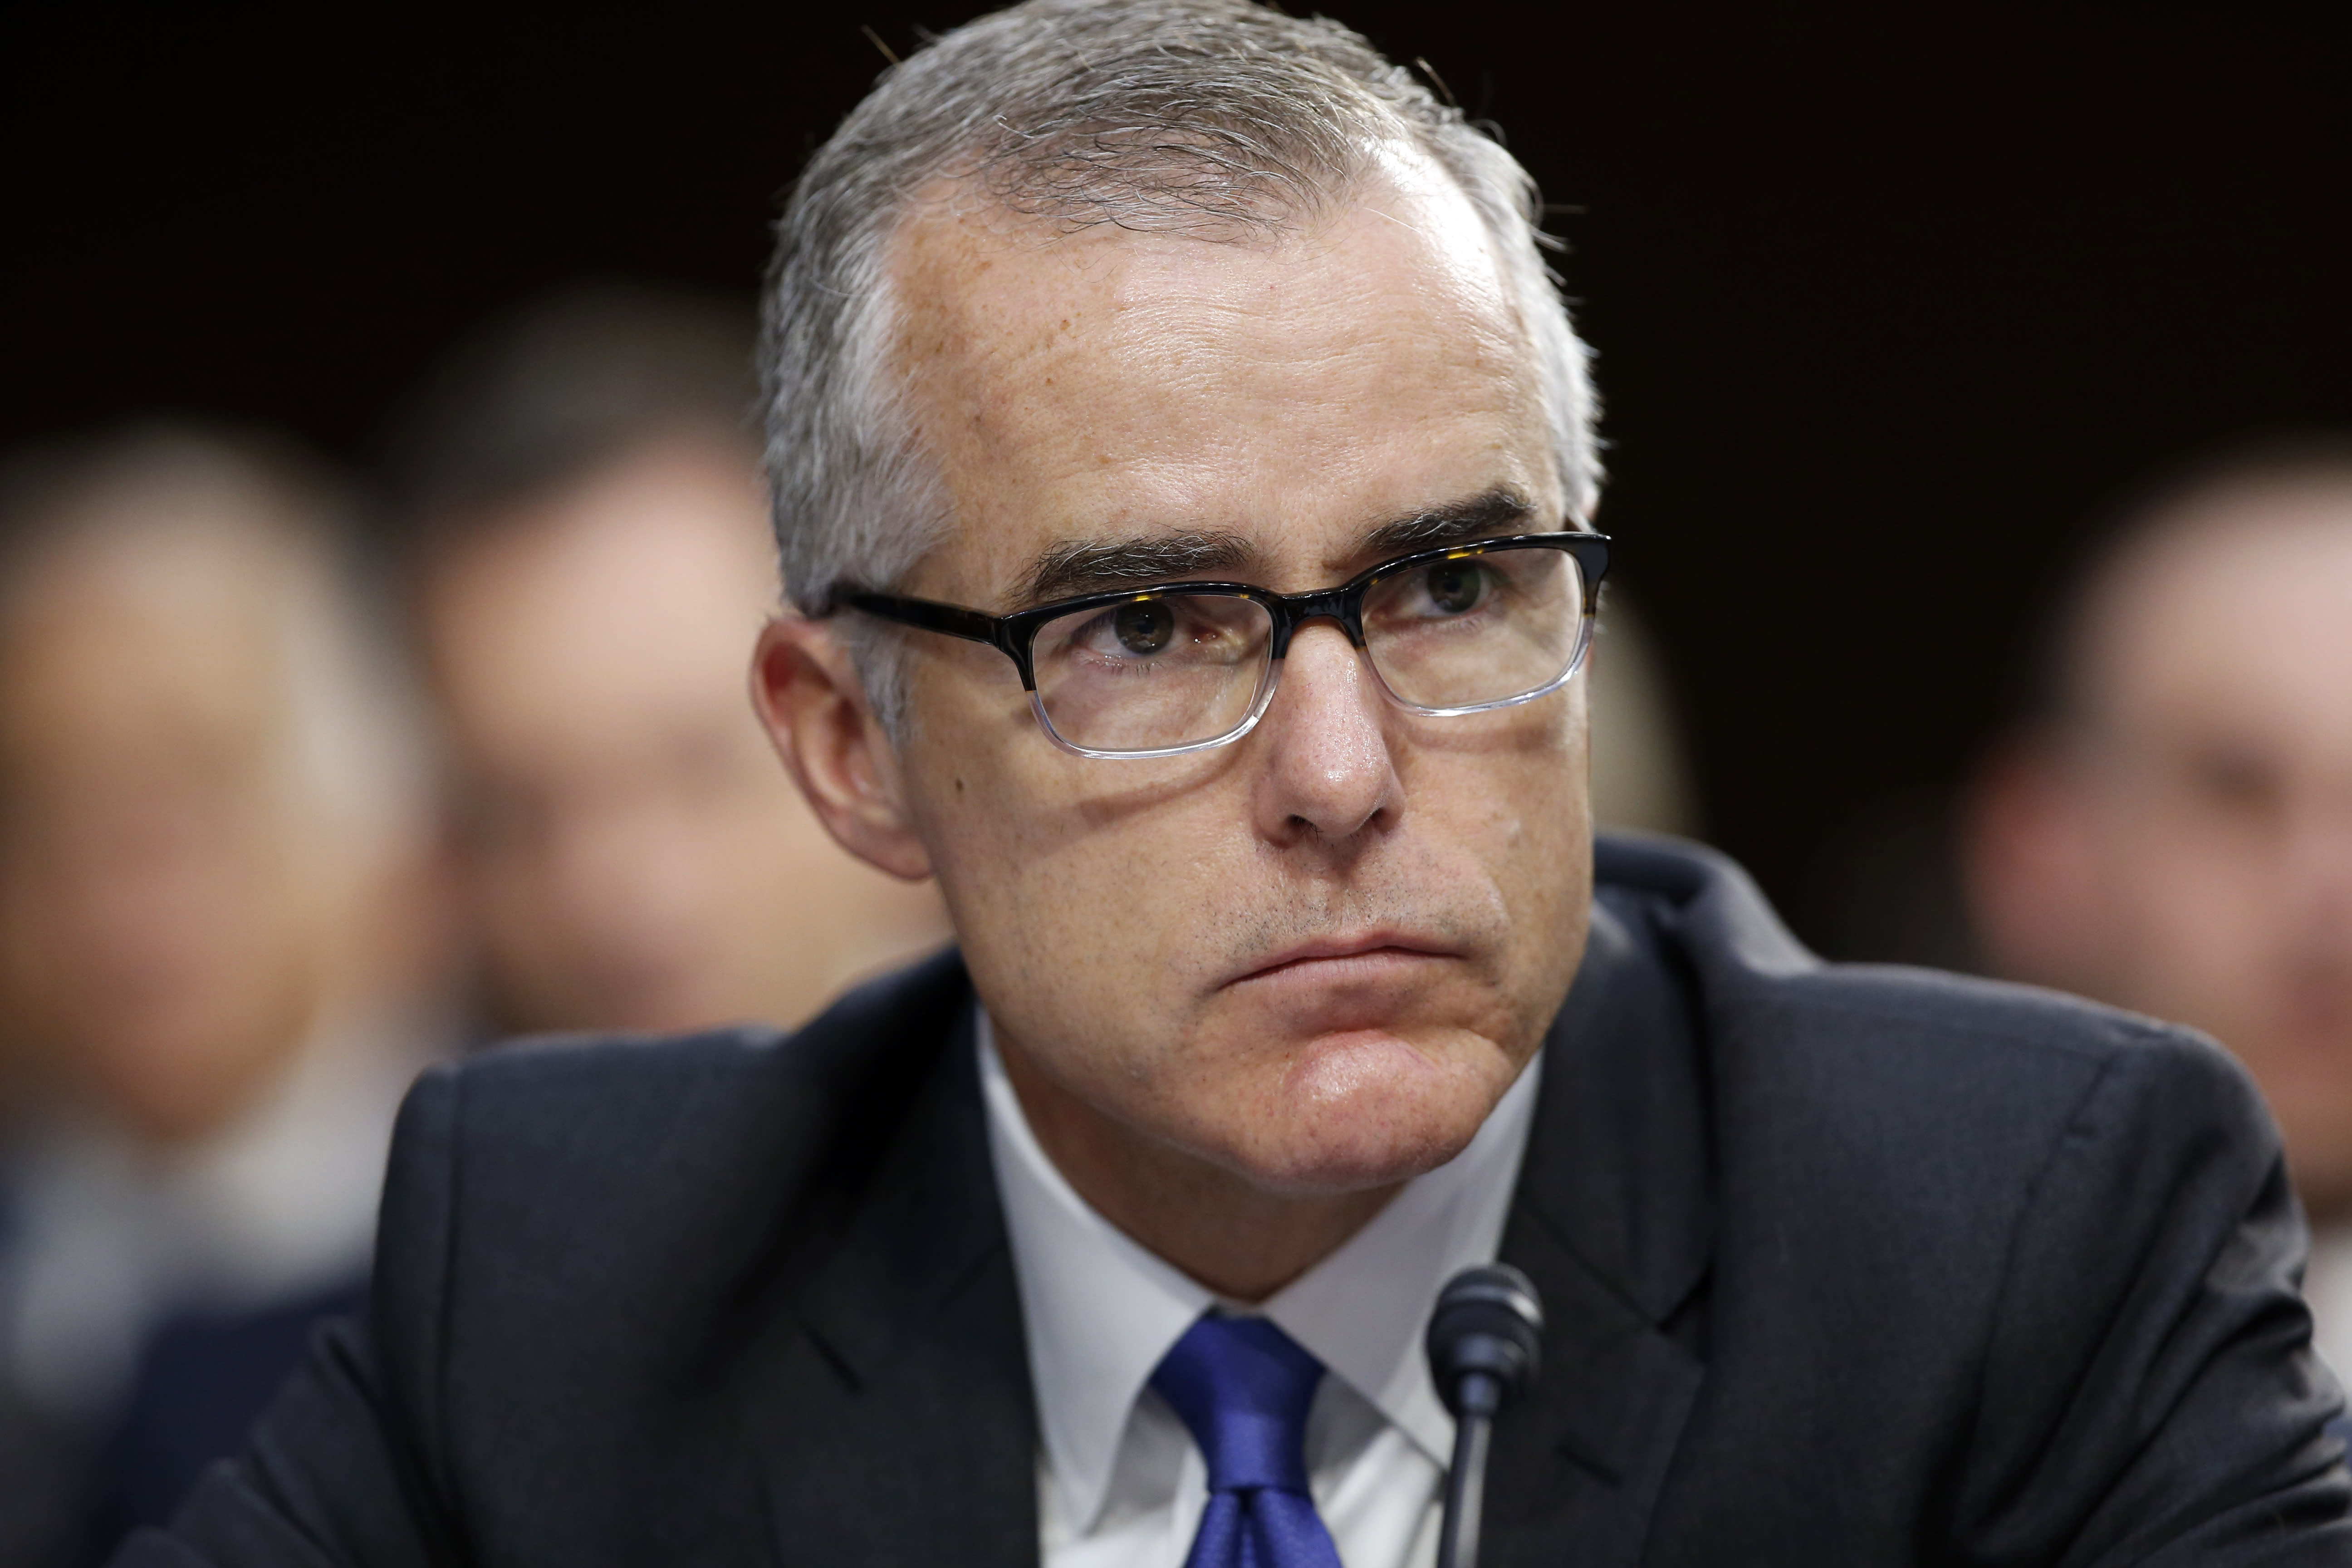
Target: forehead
138 636
1283 387
2239 618
608 609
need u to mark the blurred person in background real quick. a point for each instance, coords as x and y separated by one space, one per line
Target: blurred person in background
590 563
1254 970
216 956
2174 832
1640 779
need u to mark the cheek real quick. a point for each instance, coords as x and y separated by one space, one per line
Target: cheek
2189 894
1120 908
1074 885
1518 810
2199 928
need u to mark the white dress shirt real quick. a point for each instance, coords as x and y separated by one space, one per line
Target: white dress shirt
1121 1483
2328 1288
109 1238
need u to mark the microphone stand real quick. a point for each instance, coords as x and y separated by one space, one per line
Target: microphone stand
1465 1483
1484 1344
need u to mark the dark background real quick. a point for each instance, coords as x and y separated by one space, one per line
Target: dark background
1892 313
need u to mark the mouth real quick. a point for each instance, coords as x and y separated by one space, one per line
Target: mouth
1366 956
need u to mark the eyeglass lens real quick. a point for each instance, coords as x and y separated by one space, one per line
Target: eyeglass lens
1176 670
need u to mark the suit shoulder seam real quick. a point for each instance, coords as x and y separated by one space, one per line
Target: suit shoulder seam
2069 1128
2090 1039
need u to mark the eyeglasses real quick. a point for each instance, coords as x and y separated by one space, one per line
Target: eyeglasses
1156 672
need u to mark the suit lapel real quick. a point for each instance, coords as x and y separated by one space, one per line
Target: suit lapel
891 1399
1612 1221
895 1414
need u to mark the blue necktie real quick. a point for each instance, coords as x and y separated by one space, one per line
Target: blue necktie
1242 1386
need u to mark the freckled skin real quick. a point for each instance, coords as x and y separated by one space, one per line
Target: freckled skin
1297 392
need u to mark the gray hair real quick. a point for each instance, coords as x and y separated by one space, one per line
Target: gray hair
1217 119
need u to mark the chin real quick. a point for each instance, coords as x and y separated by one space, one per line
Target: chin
1369 1109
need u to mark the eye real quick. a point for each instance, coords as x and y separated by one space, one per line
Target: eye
1143 628
1456 587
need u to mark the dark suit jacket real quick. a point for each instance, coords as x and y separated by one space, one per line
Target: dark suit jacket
1841 1265
204 1378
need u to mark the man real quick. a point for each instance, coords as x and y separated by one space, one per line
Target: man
2174 834
590 558
1181 460
216 954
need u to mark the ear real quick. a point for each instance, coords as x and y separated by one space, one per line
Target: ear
2029 867
814 706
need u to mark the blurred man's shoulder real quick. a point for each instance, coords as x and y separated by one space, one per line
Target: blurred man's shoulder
616 1097
1920 1050
1915 1147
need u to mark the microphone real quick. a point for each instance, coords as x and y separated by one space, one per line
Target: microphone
1484 1343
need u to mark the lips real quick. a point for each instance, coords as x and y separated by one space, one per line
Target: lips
1331 954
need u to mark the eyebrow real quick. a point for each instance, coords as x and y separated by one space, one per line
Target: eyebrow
1498 511
1093 565
1090 565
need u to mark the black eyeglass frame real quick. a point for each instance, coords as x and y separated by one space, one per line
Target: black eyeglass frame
1015 635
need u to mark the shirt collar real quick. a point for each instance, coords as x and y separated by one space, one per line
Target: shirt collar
1100 1311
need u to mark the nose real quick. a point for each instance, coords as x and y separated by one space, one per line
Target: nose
1329 772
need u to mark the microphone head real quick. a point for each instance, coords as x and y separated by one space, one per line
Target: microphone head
1488 1320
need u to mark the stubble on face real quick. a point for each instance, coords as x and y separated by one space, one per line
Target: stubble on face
1306 964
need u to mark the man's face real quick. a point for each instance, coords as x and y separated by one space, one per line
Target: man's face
630 856
2218 807
165 893
1318 956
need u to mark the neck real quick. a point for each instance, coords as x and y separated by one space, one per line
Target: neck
1236 1238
